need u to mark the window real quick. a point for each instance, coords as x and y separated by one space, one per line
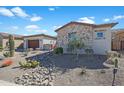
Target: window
99 34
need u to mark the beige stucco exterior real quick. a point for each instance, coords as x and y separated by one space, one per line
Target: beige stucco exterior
100 46
16 41
42 39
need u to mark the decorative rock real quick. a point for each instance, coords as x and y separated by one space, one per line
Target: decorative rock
50 84
39 76
45 82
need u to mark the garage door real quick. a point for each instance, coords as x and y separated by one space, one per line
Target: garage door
33 43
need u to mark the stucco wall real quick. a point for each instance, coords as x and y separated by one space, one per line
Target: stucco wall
17 42
100 46
42 40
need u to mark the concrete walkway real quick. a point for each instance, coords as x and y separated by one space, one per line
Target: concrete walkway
6 83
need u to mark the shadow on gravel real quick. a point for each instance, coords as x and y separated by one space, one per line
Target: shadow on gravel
67 61
15 67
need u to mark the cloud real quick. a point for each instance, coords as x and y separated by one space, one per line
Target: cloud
118 17
19 12
35 28
106 19
41 31
32 27
87 20
51 9
25 34
6 12
56 27
15 27
92 17
114 18
36 18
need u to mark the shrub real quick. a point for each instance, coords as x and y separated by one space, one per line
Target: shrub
22 64
83 71
58 50
6 54
6 63
29 64
34 64
113 54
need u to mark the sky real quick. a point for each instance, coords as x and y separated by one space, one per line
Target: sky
28 20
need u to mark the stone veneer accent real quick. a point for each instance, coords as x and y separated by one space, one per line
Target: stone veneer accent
81 31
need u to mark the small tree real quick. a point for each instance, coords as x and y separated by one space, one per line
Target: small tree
89 52
75 45
11 45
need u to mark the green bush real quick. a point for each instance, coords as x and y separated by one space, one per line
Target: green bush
34 64
6 54
58 50
29 64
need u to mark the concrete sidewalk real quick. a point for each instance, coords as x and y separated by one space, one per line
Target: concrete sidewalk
6 83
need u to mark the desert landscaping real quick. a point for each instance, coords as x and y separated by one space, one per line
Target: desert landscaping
53 67
62 70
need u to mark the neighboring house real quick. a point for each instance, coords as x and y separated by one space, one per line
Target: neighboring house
39 41
99 36
118 39
4 37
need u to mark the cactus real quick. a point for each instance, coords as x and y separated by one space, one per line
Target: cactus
116 63
11 45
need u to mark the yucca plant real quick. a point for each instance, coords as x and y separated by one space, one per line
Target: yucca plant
11 45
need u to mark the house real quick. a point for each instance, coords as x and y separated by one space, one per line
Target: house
118 39
39 41
4 37
99 36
